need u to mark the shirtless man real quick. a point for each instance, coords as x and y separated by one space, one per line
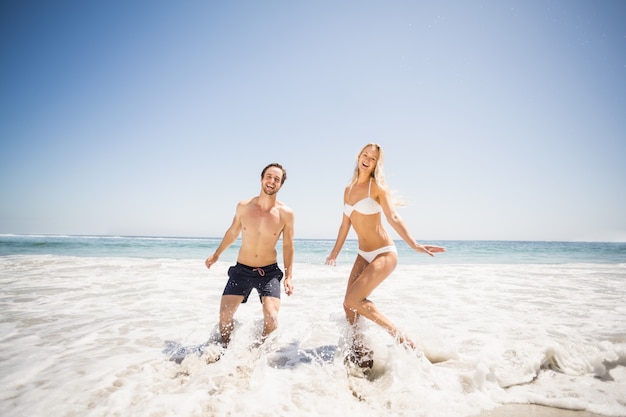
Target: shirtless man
261 220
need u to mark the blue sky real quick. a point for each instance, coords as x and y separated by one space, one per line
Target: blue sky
500 120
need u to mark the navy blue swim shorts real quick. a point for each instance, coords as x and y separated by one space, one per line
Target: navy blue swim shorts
242 279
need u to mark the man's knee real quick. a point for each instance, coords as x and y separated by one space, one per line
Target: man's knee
271 324
270 305
229 305
270 317
270 312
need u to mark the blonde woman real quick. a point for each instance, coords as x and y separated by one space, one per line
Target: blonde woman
365 198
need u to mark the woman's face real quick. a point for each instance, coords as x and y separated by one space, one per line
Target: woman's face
368 159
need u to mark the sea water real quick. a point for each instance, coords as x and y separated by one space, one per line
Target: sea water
85 325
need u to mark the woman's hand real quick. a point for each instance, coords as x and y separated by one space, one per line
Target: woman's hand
431 249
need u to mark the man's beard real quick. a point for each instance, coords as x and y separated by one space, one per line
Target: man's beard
269 191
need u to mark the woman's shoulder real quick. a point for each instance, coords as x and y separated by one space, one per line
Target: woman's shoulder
378 187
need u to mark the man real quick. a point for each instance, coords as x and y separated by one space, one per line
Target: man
261 221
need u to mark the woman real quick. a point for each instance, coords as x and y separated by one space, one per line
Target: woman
365 197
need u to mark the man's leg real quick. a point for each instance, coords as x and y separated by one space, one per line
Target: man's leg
271 305
228 307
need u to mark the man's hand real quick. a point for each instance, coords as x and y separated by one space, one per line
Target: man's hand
210 261
288 286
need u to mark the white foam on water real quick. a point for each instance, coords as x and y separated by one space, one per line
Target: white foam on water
85 337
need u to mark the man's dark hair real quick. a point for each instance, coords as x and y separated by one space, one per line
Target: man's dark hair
279 166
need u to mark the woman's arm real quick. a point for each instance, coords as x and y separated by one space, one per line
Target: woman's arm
394 219
344 228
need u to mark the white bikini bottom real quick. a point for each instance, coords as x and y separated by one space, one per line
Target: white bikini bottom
369 256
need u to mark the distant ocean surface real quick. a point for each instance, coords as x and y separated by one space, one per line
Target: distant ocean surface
88 323
315 251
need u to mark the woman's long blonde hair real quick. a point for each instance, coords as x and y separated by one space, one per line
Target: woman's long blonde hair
379 172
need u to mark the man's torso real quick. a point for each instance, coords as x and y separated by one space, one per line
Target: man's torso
260 230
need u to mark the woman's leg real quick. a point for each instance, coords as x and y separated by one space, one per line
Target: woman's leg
364 278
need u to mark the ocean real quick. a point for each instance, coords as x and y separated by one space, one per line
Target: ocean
90 326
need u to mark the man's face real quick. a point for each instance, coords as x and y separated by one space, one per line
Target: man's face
271 181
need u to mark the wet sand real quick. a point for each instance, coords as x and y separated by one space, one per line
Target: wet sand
530 410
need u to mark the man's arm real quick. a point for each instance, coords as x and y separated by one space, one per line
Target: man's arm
288 251
229 237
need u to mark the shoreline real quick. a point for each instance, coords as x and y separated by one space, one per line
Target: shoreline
533 410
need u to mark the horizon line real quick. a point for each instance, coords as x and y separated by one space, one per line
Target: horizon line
117 236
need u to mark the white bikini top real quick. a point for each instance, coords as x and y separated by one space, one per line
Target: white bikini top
365 206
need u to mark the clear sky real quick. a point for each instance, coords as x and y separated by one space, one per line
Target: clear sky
499 119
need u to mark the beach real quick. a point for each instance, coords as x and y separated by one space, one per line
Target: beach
523 410
98 335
